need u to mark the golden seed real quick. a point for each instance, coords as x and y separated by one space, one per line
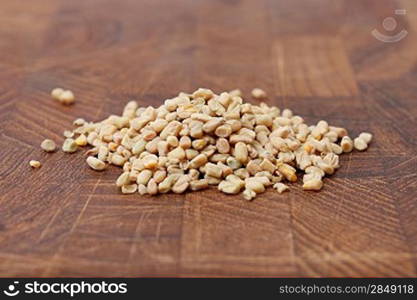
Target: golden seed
35 164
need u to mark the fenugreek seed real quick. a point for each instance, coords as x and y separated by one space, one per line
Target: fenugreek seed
206 94
241 152
172 129
254 184
148 135
367 137
253 167
117 160
266 165
313 185
235 93
191 153
129 189
177 153
198 161
166 185
242 173
56 93
199 144
197 185
48 145
152 187
213 170
158 125
360 144
35 164
226 170
346 144
223 146
172 141
150 161
280 187
123 179
81 140
181 185
95 163
336 148
233 163
78 122
142 190
159 176
185 142
288 172
68 134
139 147
66 97
223 131
248 194
144 176
69 146
341 132
258 93
229 187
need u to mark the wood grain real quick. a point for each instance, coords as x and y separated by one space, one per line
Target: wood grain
315 57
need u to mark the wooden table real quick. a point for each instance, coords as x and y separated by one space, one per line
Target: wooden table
318 58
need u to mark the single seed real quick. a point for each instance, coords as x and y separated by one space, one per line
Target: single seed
48 145
123 179
229 187
35 164
152 187
241 152
95 163
248 194
56 93
360 144
129 189
69 146
66 97
181 185
81 140
258 93
197 185
346 144
313 185
280 187
367 137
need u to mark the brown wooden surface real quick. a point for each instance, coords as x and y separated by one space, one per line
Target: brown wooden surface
315 57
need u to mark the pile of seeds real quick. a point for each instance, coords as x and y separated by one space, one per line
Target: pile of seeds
196 140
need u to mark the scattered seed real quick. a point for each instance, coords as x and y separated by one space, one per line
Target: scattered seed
48 145
280 187
35 164
360 144
258 93
201 139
